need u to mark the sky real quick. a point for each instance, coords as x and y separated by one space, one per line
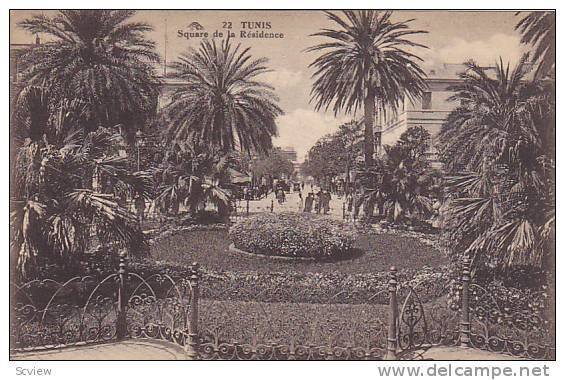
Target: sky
453 37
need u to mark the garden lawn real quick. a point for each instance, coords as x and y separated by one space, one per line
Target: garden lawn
374 253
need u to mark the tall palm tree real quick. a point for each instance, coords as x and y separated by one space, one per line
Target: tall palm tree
501 208
538 30
98 56
366 63
222 103
56 204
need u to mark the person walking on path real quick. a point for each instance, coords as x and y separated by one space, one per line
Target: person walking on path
308 202
326 204
318 201
357 203
348 206
299 202
280 195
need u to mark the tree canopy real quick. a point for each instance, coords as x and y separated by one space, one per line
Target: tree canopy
99 57
334 154
274 163
222 102
495 145
365 61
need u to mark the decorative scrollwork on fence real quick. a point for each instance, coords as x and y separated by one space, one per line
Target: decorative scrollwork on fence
47 313
158 308
425 324
512 332
222 323
412 326
332 329
276 351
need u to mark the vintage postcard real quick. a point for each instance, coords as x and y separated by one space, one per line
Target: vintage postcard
282 185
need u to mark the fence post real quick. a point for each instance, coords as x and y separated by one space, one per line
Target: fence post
465 325
247 207
393 316
121 327
272 205
193 312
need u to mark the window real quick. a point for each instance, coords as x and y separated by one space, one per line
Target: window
426 100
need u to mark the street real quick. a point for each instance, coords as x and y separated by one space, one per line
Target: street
291 204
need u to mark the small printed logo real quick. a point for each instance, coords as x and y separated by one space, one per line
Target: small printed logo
195 26
192 30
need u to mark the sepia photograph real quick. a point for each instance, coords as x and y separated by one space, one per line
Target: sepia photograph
274 185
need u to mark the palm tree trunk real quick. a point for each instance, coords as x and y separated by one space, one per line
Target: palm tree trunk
369 142
347 170
369 106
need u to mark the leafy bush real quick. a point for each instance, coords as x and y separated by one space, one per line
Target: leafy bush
292 235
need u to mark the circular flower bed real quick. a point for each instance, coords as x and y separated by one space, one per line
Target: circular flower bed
293 235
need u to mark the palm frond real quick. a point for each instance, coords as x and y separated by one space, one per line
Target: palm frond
99 57
221 104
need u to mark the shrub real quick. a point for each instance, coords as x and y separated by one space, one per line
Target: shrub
292 235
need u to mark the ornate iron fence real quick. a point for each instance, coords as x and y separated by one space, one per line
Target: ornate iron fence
490 327
49 314
420 325
474 321
394 323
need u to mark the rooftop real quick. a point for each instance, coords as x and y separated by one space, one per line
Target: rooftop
445 71
452 71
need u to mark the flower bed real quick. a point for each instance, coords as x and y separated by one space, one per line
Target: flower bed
292 235
322 288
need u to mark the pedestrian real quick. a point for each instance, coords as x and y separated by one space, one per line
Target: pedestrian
280 196
300 202
318 201
357 202
436 217
308 202
327 197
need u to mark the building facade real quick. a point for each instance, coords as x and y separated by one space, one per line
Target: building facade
430 111
289 153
